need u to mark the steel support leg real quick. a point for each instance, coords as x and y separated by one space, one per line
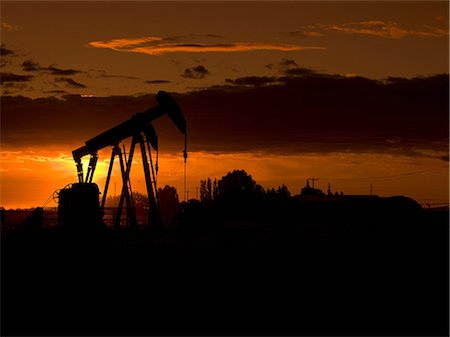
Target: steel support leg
154 215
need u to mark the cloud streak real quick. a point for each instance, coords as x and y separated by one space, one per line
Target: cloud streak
10 77
70 82
30 65
255 81
386 29
8 26
377 28
154 45
5 56
5 51
301 34
157 81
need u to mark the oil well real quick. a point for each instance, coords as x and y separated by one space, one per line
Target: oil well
79 203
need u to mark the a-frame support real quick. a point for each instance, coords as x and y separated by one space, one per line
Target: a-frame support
154 214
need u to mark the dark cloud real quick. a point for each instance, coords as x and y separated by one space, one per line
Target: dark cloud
62 72
215 36
301 34
55 92
5 51
16 86
197 72
70 120
6 55
70 82
103 74
288 63
319 113
301 72
290 68
157 81
10 77
298 114
30 65
252 81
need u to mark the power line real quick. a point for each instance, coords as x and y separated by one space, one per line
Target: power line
394 176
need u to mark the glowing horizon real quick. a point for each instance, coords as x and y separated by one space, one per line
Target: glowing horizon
424 179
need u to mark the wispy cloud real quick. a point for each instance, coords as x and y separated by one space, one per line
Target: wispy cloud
8 26
5 51
157 81
126 77
100 73
153 45
57 71
55 92
6 55
387 29
287 64
70 82
252 81
30 65
125 43
302 34
289 67
10 77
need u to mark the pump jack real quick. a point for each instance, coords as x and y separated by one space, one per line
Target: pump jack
142 133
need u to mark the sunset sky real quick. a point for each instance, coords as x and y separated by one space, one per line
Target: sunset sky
354 93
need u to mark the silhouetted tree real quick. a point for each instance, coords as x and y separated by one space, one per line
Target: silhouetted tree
277 204
237 184
140 201
208 190
282 192
168 203
238 194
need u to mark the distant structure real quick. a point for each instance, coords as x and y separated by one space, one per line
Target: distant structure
310 191
316 204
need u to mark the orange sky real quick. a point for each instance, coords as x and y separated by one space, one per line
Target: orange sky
134 42
29 178
290 90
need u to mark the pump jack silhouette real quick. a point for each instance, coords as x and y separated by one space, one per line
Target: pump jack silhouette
73 207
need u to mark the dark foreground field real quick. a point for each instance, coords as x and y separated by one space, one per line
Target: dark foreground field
272 279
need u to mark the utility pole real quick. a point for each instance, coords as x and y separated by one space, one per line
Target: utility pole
313 179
